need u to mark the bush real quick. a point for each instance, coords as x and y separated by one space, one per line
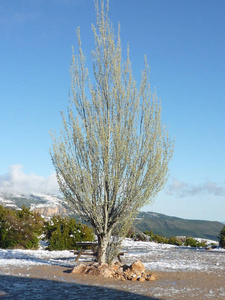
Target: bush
190 242
222 238
150 234
160 239
63 233
140 237
130 233
20 229
202 244
174 241
194 243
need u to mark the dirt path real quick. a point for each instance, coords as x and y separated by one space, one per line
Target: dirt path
56 282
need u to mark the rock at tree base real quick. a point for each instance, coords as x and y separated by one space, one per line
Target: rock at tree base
141 279
151 277
137 267
134 272
134 278
79 269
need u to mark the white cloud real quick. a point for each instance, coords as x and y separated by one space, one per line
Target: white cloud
183 189
16 181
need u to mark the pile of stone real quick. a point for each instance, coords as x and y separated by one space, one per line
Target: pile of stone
134 272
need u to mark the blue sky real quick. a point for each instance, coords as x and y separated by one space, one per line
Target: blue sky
185 45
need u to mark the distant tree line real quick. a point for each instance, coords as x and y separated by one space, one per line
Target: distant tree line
177 241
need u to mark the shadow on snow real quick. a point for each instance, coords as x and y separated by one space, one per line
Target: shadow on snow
14 287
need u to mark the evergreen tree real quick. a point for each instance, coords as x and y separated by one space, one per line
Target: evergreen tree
222 238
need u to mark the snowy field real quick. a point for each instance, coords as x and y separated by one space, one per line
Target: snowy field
161 257
157 257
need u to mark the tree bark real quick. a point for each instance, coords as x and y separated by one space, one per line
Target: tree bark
103 241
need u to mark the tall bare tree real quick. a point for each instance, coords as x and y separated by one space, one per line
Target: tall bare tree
113 152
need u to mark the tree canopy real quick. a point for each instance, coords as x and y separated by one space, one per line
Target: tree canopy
113 152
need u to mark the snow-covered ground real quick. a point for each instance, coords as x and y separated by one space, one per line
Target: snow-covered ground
157 257
161 257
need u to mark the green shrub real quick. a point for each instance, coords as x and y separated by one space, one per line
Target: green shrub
63 233
202 244
140 237
222 238
20 229
130 233
156 238
160 239
194 243
174 241
190 242
150 234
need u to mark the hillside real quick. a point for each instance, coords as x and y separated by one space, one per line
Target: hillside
48 205
172 226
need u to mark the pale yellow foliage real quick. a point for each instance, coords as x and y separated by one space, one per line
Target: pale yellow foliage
113 153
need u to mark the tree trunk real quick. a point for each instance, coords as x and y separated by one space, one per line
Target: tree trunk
103 241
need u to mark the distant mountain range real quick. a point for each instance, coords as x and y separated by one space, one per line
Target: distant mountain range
172 226
48 205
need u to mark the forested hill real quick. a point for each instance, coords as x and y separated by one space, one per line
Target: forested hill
172 226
